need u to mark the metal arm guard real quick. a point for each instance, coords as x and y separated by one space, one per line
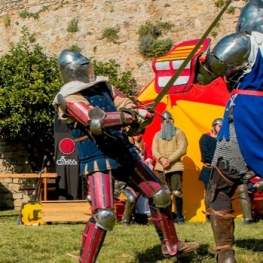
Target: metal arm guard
144 119
95 118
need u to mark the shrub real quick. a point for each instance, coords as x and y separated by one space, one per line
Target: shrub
220 3
121 80
6 20
111 34
149 44
73 26
29 81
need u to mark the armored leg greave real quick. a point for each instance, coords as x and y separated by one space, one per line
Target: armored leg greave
101 192
92 240
131 196
149 185
164 224
222 223
245 203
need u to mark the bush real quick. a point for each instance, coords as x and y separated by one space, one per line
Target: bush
111 34
73 26
121 80
150 47
29 81
149 43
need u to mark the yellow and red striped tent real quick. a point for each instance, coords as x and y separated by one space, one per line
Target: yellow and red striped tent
193 107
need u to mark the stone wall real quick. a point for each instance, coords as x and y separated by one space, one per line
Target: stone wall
191 19
13 159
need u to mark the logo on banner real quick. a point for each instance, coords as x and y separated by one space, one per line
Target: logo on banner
64 161
67 146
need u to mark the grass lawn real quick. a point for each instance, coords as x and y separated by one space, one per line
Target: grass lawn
133 244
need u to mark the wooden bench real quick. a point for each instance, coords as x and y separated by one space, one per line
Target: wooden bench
43 176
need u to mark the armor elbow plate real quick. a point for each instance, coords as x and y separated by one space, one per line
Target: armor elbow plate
229 55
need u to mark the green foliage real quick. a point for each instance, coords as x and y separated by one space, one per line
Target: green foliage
32 38
26 14
111 34
149 44
214 33
151 47
165 26
6 20
73 25
121 80
29 81
75 48
149 30
136 243
220 3
231 10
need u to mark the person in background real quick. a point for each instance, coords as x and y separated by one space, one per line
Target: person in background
169 146
142 208
97 114
207 145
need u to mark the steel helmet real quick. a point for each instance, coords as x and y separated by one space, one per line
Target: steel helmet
217 121
166 115
74 66
229 55
251 17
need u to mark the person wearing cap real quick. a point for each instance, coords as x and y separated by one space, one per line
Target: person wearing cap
169 146
207 145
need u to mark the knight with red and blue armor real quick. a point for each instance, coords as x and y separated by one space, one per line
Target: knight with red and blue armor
238 58
98 116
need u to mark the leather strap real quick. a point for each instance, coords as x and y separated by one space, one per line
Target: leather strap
247 92
82 138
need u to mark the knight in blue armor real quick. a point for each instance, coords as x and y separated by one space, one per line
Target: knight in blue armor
238 156
98 116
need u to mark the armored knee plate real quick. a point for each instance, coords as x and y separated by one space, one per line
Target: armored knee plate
130 195
162 198
177 193
105 219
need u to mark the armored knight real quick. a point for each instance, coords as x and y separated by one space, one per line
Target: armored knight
238 156
97 115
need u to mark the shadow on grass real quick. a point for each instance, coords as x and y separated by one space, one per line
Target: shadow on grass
154 254
253 244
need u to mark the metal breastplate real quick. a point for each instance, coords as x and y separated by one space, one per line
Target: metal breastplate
100 96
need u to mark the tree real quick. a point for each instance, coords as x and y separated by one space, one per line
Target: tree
29 81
